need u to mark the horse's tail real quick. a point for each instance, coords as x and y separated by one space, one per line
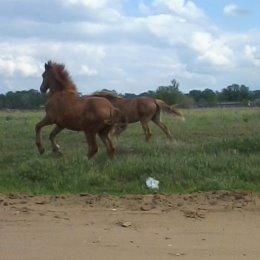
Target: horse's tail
118 120
169 109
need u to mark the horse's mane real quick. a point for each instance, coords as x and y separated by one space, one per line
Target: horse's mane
61 76
106 95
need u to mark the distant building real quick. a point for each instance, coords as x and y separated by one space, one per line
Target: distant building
230 104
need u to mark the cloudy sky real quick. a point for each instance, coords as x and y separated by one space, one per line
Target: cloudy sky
131 46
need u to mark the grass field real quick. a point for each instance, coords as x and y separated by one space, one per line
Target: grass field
215 149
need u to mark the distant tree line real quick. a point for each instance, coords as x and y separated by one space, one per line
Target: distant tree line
26 99
235 93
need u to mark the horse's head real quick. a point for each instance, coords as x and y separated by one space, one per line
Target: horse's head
56 78
46 78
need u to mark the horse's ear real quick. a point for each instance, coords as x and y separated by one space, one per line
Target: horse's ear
48 65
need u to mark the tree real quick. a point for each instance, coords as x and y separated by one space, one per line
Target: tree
235 93
170 94
148 93
2 101
210 97
30 99
204 98
196 95
175 84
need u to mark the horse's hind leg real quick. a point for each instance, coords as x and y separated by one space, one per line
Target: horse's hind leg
147 130
92 144
165 129
56 130
104 136
38 139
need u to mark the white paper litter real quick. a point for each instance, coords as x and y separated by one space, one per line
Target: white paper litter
152 183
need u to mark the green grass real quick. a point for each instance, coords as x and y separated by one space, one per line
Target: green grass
216 149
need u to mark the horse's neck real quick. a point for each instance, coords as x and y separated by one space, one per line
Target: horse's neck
64 98
72 92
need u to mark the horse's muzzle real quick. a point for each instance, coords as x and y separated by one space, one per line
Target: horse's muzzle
43 90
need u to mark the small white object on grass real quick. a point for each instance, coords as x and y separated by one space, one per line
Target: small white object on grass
152 183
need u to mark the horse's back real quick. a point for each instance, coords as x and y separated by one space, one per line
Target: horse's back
136 109
98 107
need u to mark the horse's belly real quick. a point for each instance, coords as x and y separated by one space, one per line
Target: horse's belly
72 123
133 118
82 125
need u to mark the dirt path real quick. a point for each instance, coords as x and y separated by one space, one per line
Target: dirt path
220 225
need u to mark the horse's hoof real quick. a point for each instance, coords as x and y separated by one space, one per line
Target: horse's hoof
111 157
41 150
58 153
92 156
173 141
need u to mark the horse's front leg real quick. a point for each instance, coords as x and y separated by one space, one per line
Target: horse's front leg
55 147
38 140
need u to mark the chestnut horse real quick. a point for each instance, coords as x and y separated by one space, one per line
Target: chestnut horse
66 109
143 109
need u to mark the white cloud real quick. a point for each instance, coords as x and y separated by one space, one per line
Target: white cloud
85 70
180 7
168 30
144 9
91 29
93 4
234 10
13 66
102 46
253 54
159 25
17 72
98 10
211 50
18 60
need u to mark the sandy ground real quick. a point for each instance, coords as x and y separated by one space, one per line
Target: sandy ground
221 225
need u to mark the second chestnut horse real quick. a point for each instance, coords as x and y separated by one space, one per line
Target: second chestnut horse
143 109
